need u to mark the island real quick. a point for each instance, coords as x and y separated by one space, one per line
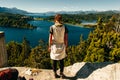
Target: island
16 21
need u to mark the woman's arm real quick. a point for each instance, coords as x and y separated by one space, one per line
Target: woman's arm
50 39
66 39
50 42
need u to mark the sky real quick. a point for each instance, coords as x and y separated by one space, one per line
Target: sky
61 5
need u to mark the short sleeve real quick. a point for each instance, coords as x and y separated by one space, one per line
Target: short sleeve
51 30
66 29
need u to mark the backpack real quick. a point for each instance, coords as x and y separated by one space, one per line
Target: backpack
9 74
21 78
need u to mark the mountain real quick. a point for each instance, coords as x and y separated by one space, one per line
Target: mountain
12 10
82 12
52 13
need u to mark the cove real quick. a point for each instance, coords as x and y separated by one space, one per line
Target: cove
42 33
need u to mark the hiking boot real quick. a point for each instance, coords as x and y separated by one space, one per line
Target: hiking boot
62 75
56 75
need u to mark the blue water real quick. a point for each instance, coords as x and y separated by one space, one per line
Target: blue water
42 33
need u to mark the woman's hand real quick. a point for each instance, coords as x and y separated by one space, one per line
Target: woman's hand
49 49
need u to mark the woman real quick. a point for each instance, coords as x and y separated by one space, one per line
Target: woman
58 41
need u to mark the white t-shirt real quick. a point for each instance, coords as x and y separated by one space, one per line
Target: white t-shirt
58 47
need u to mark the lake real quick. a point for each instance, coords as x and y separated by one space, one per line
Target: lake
42 33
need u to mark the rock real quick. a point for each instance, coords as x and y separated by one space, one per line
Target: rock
95 71
79 71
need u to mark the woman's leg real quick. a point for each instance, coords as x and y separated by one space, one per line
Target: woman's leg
62 68
54 65
62 65
55 69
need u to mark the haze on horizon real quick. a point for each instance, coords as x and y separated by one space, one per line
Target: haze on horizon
39 6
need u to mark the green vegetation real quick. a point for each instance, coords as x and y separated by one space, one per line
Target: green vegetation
89 25
102 45
15 20
77 19
38 18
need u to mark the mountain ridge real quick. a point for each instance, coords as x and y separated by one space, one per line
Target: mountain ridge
52 13
13 10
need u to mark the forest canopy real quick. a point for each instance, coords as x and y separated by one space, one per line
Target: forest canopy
15 20
79 18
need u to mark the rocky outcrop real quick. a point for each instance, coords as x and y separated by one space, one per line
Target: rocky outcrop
78 71
95 71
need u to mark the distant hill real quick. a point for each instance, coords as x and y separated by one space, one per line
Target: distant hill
12 10
82 12
52 13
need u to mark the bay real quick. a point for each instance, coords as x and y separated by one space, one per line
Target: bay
42 33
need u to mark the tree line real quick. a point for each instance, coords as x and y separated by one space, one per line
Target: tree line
15 20
102 45
79 18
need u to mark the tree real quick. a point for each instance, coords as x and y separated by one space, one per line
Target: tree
26 49
39 57
14 50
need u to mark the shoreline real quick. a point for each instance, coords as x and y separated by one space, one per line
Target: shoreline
84 25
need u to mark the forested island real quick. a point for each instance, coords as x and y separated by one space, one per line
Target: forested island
15 21
78 19
102 45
